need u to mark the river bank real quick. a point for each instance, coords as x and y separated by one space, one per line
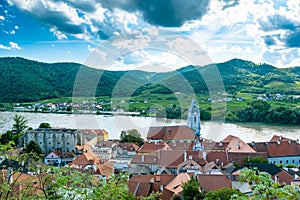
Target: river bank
115 124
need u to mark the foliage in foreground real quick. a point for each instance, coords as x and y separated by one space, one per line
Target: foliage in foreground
223 194
191 190
264 188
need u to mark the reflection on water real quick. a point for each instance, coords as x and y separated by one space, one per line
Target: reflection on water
115 124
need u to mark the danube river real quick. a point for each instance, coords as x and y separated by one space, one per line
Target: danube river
115 124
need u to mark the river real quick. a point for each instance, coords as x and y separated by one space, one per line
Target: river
248 132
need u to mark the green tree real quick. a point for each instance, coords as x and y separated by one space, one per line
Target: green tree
257 160
20 125
45 125
132 135
6 137
191 190
34 147
222 194
264 188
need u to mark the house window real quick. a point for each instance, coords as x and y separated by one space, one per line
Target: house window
287 161
281 162
293 161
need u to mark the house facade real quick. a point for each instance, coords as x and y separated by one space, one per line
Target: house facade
52 139
280 150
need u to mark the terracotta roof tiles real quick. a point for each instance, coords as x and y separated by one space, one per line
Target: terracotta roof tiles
210 182
153 147
147 159
171 133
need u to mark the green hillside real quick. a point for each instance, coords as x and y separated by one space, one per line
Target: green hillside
24 80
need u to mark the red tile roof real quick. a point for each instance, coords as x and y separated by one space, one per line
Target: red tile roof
220 156
275 138
145 159
211 182
140 185
171 158
284 148
181 145
237 145
153 147
175 185
259 146
171 133
129 146
106 169
86 159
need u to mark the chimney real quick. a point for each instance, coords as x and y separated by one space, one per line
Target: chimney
161 188
220 143
278 142
143 158
280 137
10 175
276 179
204 155
184 155
151 181
253 144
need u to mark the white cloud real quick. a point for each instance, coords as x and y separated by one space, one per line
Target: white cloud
59 16
2 17
12 45
16 27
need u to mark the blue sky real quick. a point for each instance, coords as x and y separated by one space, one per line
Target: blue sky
265 31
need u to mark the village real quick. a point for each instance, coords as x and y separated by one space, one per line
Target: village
170 156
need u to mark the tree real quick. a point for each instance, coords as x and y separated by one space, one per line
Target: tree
48 182
257 160
263 187
34 147
222 194
6 137
132 135
20 125
191 190
45 125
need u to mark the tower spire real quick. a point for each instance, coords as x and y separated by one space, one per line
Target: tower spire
193 120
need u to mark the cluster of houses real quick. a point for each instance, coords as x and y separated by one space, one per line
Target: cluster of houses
171 156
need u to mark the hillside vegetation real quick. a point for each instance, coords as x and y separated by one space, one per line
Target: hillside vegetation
24 80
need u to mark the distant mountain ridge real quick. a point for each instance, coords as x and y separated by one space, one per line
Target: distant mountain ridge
23 80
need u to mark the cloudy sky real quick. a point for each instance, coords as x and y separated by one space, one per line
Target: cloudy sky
262 31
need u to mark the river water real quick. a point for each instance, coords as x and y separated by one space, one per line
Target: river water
115 124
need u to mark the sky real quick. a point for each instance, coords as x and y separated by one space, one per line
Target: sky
155 35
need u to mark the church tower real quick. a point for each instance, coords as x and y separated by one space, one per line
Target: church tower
193 120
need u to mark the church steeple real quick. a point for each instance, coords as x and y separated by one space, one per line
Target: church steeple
193 120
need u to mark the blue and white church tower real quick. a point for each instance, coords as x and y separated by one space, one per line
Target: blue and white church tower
193 120
195 124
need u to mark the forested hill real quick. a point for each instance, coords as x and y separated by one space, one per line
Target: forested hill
24 80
